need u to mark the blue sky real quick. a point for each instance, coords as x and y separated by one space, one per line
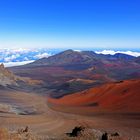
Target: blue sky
70 24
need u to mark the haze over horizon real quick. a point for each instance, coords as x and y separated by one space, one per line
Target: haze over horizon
70 24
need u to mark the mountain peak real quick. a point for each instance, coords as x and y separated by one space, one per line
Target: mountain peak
67 57
69 50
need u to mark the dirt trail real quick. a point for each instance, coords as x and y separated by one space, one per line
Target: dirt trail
28 109
33 111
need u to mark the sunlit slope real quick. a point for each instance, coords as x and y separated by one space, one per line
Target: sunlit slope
123 96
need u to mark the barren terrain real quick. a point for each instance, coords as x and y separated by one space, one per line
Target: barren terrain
31 110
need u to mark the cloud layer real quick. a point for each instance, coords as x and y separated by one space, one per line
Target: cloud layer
112 52
21 56
10 64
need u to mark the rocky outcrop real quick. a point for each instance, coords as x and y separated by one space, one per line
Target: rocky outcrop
7 77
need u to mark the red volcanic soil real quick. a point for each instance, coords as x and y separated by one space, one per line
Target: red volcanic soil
118 97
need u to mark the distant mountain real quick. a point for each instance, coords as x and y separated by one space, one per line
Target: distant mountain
67 57
70 57
82 60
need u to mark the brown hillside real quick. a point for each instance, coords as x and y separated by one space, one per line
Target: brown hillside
123 96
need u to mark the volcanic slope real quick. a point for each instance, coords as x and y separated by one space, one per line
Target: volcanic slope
118 97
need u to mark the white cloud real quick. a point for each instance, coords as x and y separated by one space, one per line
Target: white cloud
12 57
77 50
20 54
26 59
10 64
39 56
112 52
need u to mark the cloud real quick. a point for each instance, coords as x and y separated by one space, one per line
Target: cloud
112 52
77 50
26 59
19 54
10 64
11 58
39 56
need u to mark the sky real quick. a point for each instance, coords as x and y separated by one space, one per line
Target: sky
100 24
